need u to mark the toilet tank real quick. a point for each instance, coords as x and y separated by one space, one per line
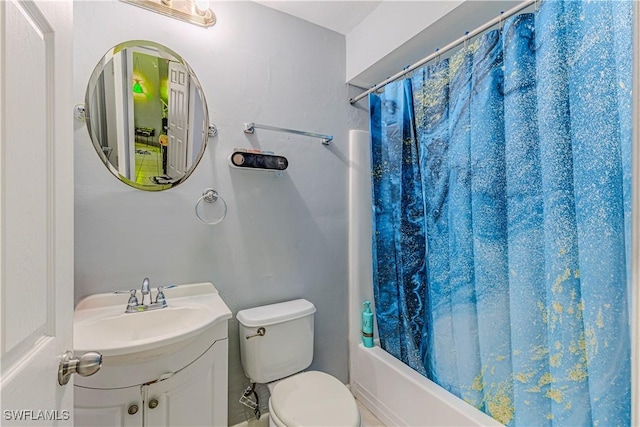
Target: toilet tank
287 344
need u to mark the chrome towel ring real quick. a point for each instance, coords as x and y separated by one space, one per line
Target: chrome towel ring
211 196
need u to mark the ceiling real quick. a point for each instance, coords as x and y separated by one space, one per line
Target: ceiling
339 16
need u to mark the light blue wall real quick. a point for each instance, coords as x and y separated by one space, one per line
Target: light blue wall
284 237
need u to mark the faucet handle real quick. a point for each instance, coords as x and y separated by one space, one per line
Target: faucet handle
133 300
160 295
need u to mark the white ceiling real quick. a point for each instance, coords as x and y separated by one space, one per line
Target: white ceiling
339 16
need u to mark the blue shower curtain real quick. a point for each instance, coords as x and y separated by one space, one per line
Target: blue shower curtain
502 203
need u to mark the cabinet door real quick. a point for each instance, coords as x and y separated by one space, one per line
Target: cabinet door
108 408
195 396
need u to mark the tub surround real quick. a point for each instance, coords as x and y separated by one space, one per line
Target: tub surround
399 396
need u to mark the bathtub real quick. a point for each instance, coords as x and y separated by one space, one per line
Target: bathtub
399 396
395 393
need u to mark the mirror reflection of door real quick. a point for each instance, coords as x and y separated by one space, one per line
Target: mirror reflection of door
177 132
151 105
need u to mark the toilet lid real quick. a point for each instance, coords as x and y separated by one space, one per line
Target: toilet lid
314 399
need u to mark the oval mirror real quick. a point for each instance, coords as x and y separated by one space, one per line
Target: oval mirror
146 115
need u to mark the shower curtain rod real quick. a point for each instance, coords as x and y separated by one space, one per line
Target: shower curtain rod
438 52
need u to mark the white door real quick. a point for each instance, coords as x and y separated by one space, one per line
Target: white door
36 210
123 116
178 132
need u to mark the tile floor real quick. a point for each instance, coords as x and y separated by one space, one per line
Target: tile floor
367 419
148 163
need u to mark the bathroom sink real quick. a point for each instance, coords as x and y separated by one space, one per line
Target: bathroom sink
100 323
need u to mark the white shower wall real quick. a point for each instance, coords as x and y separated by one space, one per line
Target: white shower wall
284 237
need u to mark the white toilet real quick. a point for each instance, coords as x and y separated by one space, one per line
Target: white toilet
276 342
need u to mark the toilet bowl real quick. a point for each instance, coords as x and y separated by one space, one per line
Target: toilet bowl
276 346
312 398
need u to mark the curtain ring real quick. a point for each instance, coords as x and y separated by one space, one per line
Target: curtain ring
466 40
501 20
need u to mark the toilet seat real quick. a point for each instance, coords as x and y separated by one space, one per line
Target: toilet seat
313 399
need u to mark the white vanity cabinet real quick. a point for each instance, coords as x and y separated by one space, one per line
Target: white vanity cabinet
177 383
95 407
184 399
187 398
120 407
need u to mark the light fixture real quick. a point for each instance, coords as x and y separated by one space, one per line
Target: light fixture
137 87
194 11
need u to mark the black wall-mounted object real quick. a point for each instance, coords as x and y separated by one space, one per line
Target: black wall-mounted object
253 160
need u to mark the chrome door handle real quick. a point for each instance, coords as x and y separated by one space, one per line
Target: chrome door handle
85 365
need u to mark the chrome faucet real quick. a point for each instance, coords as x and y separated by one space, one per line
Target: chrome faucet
145 290
133 306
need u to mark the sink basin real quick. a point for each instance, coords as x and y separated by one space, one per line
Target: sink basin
100 323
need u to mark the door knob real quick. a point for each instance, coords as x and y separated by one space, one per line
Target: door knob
85 365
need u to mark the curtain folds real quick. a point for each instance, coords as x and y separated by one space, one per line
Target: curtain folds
502 202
